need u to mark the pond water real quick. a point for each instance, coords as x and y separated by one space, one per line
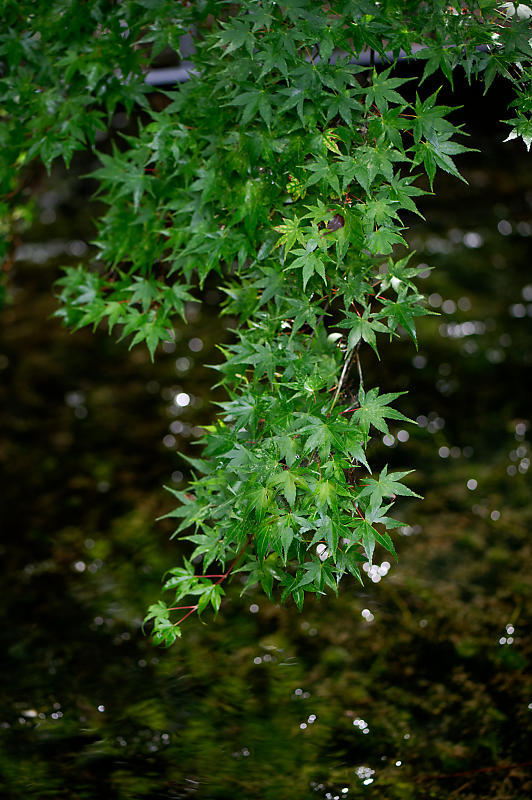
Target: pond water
416 687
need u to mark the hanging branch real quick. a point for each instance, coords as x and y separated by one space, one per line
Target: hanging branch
280 170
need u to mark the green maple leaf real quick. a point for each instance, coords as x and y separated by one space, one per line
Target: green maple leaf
382 240
369 535
262 359
212 594
321 437
126 177
288 448
386 485
235 34
381 91
284 535
176 296
165 632
143 291
437 57
389 124
312 573
375 409
401 190
342 104
309 261
325 493
271 57
403 311
316 575
522 127
252 100
362 327
380 211
157 611
287 483
322 169
430 119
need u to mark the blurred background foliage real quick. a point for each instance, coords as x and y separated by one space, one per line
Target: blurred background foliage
416 687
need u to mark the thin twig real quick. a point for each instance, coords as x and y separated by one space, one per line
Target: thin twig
359 367
220 579
347 363
179 621
345 371
234 563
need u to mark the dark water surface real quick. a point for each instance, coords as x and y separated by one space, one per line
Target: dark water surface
417 687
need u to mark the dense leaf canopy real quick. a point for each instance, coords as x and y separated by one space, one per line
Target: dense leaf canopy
283 167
